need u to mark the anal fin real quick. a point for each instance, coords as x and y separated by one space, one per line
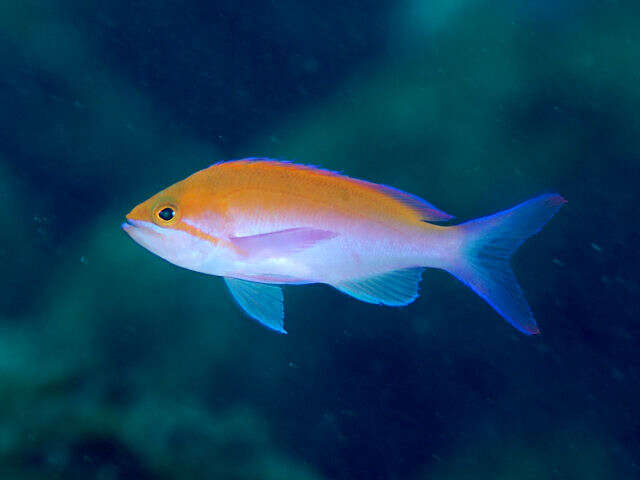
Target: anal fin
395 288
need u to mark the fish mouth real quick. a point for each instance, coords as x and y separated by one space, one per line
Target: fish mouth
140 228
129 224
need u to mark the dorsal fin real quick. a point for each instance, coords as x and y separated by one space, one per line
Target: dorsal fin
425 210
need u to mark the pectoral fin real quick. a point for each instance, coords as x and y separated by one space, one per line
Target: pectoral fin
261 301
281 242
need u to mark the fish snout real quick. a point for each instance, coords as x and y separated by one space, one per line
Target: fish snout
129 224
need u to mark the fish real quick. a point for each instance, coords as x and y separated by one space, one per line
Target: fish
262 224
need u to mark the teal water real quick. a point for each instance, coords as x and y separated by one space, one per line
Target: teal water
117 365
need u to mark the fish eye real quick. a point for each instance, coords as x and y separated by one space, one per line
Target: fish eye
166 214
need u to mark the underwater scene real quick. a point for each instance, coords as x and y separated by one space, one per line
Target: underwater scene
357 295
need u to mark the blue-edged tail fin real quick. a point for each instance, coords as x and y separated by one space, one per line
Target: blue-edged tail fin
487 246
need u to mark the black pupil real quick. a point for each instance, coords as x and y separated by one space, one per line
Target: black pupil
166 214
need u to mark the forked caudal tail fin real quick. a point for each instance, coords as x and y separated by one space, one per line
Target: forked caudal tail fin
487 246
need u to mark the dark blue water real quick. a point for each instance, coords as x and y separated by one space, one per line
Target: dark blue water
117 365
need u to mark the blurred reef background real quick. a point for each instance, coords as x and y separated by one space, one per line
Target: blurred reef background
117 365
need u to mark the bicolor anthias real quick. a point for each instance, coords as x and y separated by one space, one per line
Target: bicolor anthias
263 223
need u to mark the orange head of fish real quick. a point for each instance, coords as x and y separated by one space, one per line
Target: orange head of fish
179 224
